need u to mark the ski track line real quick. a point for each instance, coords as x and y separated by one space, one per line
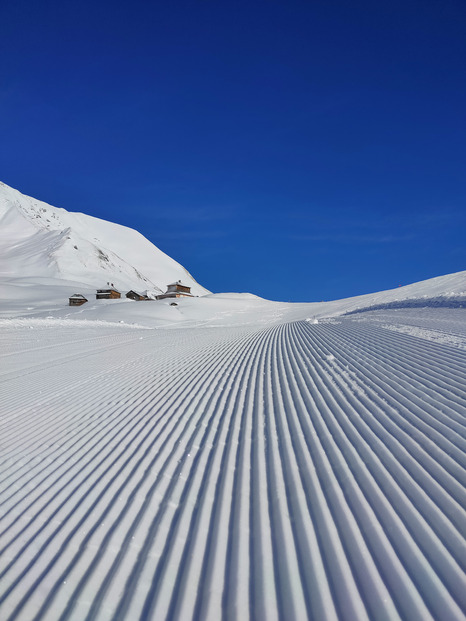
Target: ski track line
451 415
366 375
296 471
392 428
412 347
132 382
412 352
191 455
399 504
98 453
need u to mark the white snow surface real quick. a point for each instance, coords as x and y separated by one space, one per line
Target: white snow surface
228 457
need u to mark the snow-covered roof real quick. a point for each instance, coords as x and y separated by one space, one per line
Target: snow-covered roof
178 283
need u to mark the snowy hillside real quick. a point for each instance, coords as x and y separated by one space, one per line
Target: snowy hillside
41 241
47 254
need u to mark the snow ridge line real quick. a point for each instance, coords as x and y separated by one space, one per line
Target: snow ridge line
442 301
408 443
300 471
450 394
109 442
382 476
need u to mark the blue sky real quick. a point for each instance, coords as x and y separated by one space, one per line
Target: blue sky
299 150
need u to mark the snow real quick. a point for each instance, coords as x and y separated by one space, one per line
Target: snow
37 239
229 457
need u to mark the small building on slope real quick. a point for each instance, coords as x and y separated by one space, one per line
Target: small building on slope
77 299
107 294
176 290
134 295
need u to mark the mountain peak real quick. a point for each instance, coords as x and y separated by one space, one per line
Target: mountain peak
39 240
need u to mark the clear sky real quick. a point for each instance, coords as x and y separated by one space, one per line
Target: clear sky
301 150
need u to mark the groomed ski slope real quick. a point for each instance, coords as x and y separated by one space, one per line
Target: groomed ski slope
293 471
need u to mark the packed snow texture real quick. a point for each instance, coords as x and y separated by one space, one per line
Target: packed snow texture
289 471
230 457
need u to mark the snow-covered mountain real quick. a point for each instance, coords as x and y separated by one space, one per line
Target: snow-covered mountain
48 254
227 456
41 241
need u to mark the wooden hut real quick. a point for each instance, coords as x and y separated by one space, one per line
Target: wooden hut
176 290
134 295
77 299
107 294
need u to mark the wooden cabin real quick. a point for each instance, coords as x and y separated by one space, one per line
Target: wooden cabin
77 299
134 295
178 287
176 290
107 294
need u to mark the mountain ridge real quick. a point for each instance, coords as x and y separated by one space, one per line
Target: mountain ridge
38 239
48 254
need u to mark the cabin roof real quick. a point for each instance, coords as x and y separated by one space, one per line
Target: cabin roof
178 282
77 295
